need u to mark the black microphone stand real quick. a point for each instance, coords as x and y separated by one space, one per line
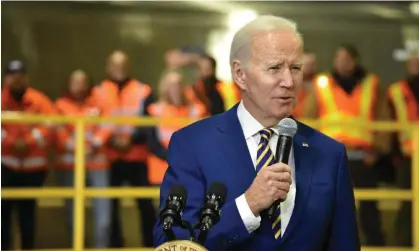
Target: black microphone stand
186 225
202 236
168 231
203 233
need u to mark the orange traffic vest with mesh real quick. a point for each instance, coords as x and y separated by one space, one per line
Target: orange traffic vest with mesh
127 102
38 137
334 104
95 135
406 108
156 166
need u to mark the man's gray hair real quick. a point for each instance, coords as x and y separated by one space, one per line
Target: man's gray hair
240 47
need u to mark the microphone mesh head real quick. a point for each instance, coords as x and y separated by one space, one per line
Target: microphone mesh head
179 191
287 127
219 189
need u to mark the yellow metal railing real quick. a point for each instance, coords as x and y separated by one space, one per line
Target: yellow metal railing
80 192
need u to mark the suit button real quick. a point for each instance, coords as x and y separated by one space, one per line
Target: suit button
236 237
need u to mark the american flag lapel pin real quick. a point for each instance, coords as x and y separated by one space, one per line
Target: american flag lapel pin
305 144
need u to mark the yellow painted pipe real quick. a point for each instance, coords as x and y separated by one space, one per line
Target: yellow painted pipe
415 190
153 193
9 117
79 181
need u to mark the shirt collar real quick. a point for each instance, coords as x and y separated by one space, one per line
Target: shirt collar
248 123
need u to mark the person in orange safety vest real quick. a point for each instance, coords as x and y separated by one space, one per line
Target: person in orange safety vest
348 94
127 147
216 95
309 73
172 103
404 98
24 147
79 101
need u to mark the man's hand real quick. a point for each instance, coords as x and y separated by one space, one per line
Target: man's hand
20 148
271 184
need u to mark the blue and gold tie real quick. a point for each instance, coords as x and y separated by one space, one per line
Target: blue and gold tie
265 158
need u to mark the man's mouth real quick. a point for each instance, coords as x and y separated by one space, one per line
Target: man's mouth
286 98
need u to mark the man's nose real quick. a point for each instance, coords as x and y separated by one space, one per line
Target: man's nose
287 80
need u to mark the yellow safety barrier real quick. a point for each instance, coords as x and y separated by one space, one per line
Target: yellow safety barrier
80 192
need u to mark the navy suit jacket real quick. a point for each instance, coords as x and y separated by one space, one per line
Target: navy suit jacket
215 150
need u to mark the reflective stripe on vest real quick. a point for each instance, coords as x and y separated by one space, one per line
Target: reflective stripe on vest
357 137
164 134
402 112
27 163
39 138
194 111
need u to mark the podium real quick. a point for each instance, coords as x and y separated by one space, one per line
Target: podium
180 245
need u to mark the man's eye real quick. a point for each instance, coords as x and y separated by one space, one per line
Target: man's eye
275 68
296 68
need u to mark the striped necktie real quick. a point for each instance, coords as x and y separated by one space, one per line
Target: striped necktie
265 157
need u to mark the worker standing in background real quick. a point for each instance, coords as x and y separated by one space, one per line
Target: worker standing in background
216 95
127 149
186 60
79 101
24 148
309 74
348 94
404 97
172 103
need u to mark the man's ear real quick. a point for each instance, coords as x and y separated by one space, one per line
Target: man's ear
239 75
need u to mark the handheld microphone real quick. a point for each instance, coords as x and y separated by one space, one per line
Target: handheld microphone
171 214
211 210
287 129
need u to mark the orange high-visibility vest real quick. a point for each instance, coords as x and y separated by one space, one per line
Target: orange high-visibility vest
127 102
95 135
156 166
38 137
230 94
300 105
406 108
334 104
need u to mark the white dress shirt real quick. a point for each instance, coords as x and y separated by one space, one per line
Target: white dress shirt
251 128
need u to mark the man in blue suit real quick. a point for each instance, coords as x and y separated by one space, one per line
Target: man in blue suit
317 212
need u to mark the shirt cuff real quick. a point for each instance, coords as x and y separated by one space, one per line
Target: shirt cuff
250 221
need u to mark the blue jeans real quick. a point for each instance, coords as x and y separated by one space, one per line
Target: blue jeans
101 206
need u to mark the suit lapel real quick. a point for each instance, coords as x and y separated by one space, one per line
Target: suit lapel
304 157
233 144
